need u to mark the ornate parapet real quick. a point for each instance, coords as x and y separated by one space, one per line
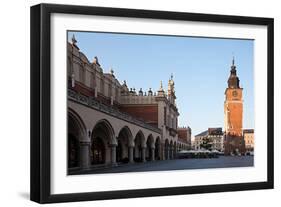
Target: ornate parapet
96 105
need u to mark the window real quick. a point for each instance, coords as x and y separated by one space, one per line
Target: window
102 86
93 81
109 90
82 74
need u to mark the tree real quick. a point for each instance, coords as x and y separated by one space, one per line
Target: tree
206 143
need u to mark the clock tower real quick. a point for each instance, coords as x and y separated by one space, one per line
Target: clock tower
233 115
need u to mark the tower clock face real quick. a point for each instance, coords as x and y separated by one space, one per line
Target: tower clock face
234 93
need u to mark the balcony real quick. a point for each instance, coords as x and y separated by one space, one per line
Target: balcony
96 105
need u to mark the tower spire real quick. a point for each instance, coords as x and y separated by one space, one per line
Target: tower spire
161 91
233 80
171 89
74 41
161 86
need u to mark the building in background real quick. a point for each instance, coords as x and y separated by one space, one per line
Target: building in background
110 123
184 136
233 115
193 143
249 139
199 138
213 137
217 138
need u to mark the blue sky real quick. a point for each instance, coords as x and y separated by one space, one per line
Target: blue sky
200 67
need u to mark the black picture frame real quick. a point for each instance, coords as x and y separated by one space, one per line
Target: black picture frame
40 102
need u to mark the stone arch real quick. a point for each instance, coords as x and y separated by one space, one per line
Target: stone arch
157 148
139 147
81 127
127 131
111 133
76 131
125 141
150 146
102 139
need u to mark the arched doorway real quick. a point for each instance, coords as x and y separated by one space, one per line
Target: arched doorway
157 148
139 145
101 143
124 142
73 151
75 130
98 151
175 150
119 151
166 149
171 148
149 148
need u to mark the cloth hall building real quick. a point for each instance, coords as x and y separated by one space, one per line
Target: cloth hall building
110 123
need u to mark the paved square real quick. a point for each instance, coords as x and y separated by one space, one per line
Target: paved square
178 164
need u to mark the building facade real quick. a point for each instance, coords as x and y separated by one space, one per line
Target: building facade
248 135
233 115
110 123
184 137
214 137
198 139
217 138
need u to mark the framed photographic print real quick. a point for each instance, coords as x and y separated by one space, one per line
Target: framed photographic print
132 103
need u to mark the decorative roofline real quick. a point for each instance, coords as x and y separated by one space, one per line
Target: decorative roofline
94 104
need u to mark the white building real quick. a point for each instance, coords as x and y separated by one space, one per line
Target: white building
248 135
214 137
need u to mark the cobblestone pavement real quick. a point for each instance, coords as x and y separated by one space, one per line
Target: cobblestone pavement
178 164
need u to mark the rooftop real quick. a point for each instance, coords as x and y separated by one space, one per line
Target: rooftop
204 133
248 130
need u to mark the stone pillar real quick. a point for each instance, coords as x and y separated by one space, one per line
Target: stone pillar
168 153
84 154
113 154
143 150
152 154
131 154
